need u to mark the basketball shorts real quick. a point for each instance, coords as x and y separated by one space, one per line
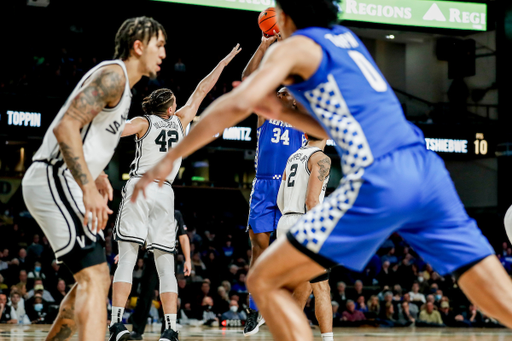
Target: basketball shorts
264 213
408 191
285 224
55 201
148 221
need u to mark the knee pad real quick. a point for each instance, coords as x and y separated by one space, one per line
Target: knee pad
128 253
164 262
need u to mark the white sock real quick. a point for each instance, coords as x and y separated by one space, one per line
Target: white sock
117 315
328 337
170 321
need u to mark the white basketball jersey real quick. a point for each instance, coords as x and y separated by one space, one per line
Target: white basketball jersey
100 137
161 136
294 189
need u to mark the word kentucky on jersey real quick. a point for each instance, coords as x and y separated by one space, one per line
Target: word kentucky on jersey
279 123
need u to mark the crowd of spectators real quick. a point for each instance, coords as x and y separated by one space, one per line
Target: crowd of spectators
397 289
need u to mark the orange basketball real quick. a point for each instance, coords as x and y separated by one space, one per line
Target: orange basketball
268 21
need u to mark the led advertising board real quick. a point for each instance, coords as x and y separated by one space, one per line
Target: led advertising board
420 13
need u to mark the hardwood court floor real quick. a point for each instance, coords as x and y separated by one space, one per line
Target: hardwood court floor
38 333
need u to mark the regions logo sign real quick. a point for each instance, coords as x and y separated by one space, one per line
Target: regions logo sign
441 14
422 13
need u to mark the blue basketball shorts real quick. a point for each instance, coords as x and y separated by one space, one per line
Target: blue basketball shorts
264 214
408 191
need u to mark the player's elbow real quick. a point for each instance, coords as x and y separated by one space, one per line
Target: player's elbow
311 203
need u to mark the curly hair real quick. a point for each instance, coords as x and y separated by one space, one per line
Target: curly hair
133 29
158 102
308 13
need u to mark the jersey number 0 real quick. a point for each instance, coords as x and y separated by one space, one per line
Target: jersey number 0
166 138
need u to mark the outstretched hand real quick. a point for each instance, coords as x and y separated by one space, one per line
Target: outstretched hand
159 173
236 50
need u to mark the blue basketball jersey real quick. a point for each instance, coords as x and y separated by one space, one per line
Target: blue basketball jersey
276 142
352 101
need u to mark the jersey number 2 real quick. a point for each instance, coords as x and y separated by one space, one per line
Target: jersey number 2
166 142
293 172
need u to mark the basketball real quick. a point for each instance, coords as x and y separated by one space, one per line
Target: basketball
268 21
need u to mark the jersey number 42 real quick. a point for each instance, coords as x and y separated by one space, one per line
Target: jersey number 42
166 138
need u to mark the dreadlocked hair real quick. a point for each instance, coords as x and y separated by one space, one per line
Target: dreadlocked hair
133 29
158 102
312 13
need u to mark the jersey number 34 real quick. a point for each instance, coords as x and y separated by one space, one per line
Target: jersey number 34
279 135
166 138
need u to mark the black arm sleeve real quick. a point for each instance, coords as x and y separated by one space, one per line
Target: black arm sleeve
182 228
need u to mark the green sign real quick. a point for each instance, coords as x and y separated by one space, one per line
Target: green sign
422 13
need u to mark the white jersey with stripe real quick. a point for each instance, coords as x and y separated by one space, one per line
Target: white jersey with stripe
100 137
293 190
161 136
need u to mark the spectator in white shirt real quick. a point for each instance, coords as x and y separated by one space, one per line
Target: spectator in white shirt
415 294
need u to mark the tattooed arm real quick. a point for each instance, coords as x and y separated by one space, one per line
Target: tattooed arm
320 166
104 89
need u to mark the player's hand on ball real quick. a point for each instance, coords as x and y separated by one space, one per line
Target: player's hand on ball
268 40
159 173
187 268
236 50
96 209
104 187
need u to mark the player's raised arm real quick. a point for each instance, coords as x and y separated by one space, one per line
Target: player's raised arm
187 113
257 57
105 88
138 125
320 167
281 61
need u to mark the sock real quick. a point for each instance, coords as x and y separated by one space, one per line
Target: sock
170 321
117 315
252 304
328 337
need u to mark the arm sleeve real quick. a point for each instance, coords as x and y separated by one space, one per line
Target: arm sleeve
182 228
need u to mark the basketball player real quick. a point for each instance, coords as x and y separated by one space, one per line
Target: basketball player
276 142
303 187
65 188
391 181
151 221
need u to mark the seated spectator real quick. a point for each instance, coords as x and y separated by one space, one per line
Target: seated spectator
413 308
35 249
21 286
386 276
451 319
36 271
357 291
474 316
22 255
404 314
221 300
340 296
39 288
38 310
208 315
335 310
233 312
227 249
198 265
18 304
7 313
373 307
184 290
415 294
3 264
397 293
390 257
60 291
430 317
430 298
351 314
239 286
361 305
